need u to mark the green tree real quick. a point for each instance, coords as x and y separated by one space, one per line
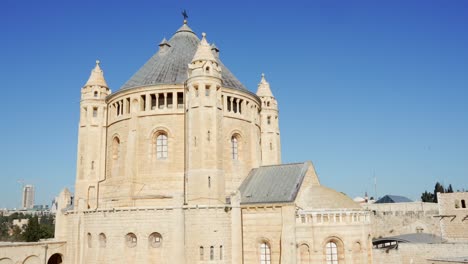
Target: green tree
427 197
438 188
32 232
449 189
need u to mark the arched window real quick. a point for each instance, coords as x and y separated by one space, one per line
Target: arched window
202 253
102 240
115 148
161 146
265 253
90 240
331 253
235 147
155 240
304 252
211 253
96 94
131 240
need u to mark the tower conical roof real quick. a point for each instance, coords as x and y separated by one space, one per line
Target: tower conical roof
171 66
204 51
264 88
97 77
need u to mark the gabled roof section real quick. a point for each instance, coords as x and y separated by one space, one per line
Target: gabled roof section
273 184
393 199
170 65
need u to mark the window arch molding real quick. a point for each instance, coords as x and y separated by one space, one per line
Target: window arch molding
159 143
264 251
116 145
338 242
235 145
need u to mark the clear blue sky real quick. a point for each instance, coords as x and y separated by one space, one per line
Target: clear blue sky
364 87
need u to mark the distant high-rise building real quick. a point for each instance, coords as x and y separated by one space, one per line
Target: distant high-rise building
28 197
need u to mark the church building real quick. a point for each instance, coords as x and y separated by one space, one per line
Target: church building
182 164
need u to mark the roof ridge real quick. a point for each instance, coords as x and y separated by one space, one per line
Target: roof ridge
273 165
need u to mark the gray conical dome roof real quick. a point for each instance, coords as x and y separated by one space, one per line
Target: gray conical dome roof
170 65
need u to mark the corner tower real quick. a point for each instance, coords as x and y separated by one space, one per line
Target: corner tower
90 168
205 176
270 135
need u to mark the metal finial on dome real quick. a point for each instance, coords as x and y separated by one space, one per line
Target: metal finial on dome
98 62
184 14
203 34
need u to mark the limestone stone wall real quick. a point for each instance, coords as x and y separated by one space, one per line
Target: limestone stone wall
125 235
261 224
32 253
419 253
453 209
403 218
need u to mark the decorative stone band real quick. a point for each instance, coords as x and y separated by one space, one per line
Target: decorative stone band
332 217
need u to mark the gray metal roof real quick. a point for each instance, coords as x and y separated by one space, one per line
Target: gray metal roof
170 64
273 184
419 238
393 199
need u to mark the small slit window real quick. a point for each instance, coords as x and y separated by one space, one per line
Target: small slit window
90 240
202 253
269 120
235 147
211 253
102 240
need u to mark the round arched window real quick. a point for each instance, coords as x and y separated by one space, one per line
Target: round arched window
131 240
155 240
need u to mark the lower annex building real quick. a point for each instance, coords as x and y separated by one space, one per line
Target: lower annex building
182 164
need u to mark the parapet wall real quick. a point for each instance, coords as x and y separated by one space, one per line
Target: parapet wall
419 253
454 215
403 218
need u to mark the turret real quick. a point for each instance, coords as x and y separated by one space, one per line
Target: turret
270 135
91 138
205 177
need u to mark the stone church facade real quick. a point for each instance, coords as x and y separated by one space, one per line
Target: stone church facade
182 164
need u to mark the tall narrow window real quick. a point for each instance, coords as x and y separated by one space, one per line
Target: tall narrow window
95 111
220 252
161 146
153 101
96 94
115 148
268 120
102 240
202 253
331 252
211 253
90 240
160 101
180 100
169 100
209 182
235 148
207 91
463 203
143 103
265 254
